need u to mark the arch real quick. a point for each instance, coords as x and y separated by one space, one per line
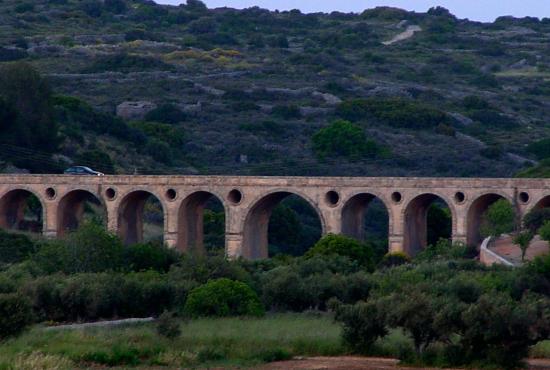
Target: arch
130 215
475 212
353 214
191 221
13 205
255 234
415 218
543 202
71 209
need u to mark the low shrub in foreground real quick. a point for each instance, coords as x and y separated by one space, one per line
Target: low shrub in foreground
223 297
15 314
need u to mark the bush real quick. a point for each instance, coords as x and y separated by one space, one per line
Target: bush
15 248
395 259
340 245
166 113
15 315
168 325
536 218
540 148
89 249
156 256
544 231
343 138
395 112
126 63
223 297
363 324
287 112
498 219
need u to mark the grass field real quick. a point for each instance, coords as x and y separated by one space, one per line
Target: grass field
228 342
203 343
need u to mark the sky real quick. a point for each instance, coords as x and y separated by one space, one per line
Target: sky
479 10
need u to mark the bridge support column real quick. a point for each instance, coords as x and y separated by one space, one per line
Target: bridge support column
459 226
171 226
49 228
233 245
396 244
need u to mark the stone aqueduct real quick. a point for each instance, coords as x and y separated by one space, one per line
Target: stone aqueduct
248 202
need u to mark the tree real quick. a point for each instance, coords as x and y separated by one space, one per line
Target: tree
15 315
341 245
26 109
362 323
345 139
523 239
498 219
536 218
544 231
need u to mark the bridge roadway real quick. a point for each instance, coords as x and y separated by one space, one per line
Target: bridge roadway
340 203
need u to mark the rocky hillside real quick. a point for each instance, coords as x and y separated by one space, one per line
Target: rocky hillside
225 91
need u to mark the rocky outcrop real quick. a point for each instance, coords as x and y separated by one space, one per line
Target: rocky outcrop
132 110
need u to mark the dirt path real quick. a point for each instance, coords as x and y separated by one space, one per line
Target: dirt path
360 363
407 34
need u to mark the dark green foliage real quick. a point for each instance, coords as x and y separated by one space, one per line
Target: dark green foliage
173 136
115 6
343 138
166 113
214 230
8 55
223 297
24 8
89 249
498 219
493 118
126 63
444 249
475 102
155 256
523 239
168 325
93 8
363 324
25 104
395 112
159 150
540 148
536 218
339 245
439 223
15 315
287 112
15 248
394 259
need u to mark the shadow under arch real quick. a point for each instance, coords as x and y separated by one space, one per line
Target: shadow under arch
72 207
475 213
15 204
191 221
256 224
130 215
354 212
415 218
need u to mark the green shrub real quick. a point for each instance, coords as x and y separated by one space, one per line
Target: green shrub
172 135
498 219
156 256
15 315
536 218
223 297
363 324
126 63
88 249
395 112
166 113
168 325
544 231
340 245
15 248
445 249
395 259
287 112
540 148
343 138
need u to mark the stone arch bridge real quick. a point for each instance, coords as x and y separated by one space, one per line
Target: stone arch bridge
340 203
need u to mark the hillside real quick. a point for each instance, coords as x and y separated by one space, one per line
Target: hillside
255 92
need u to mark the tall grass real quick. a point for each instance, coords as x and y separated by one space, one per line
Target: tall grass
203 343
